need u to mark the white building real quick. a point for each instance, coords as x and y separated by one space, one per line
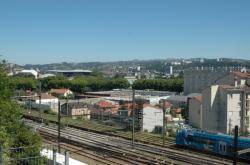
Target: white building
28 72
171 70
47 102
152 117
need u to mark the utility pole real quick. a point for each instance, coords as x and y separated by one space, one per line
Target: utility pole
133 121
67 109
235 145
164 123
59 127
40 100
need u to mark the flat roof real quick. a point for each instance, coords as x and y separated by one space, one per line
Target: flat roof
71 71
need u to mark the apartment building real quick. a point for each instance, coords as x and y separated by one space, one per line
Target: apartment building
221 108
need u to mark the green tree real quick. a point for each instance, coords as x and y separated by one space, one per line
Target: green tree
13 133
171 84
24 83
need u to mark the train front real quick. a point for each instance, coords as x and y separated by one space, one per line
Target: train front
181 137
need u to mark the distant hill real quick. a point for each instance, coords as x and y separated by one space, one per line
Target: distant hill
160 65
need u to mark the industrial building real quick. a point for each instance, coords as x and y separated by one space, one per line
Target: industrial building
71 73
30 72
75 109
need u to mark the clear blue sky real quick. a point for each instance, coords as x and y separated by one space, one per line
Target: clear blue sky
46 31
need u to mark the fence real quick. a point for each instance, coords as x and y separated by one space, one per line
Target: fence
30 156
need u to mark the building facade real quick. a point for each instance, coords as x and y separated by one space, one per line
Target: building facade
47 102
194 111
152 118
223 107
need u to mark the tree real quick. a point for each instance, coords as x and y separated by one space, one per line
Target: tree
24 83
172 84
13 132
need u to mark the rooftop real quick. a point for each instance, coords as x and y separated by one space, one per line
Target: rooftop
59 91
43 96
71 71
241 74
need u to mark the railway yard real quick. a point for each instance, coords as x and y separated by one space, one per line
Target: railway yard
106 149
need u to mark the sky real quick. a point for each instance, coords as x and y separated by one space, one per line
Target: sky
49 31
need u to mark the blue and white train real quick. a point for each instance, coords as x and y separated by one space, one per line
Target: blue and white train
214 142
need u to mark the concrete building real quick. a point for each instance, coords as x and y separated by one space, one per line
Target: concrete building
75 109
71 73
47 102
195 81
194 111
223 107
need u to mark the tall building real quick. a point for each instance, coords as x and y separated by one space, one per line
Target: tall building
171 70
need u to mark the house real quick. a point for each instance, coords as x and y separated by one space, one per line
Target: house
47 102
62 92
107 105
104 109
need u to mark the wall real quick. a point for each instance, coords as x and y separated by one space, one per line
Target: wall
194 113
197 80
210 106
152 117
46 103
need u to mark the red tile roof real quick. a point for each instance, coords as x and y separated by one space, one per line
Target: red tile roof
59 91
241 74
104 104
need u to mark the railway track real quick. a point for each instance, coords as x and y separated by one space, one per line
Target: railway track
111 153
75 151
145 154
